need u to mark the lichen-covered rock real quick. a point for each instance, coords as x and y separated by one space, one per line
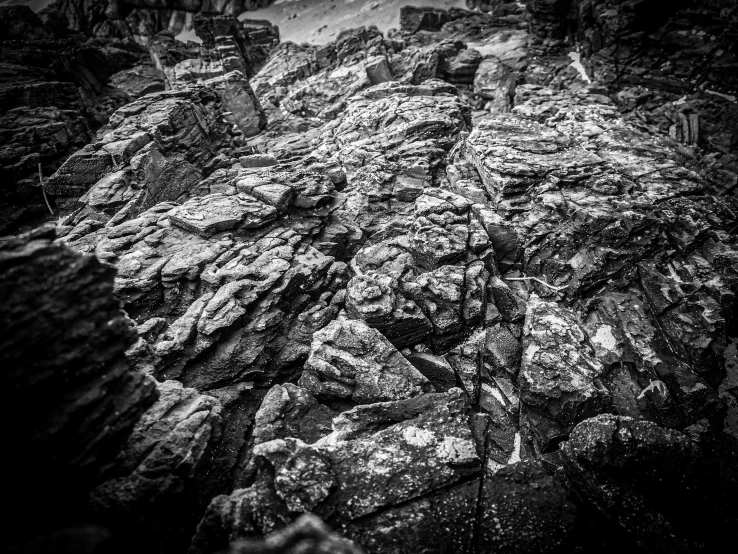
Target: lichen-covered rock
379 457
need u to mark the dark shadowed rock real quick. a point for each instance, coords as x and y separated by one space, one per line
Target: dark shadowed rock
306 535
64 337
153 490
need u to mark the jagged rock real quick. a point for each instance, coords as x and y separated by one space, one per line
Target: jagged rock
461 68
291 411
63 344
155 145
349 359
560 376
440 294
413 19
495 82
654 473
55 92
436 369
210 214
525 510
531 236
21 23
139 80
375 299
153 489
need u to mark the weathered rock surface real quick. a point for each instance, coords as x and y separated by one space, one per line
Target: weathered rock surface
439 287
64 337
657 477
154 487
55 91
349 359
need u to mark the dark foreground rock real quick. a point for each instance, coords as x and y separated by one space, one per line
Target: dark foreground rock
63 347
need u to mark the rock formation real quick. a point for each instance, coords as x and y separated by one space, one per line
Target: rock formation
437 289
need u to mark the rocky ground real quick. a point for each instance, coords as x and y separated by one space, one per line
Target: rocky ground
429 289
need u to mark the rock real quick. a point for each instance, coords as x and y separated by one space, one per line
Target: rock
559 376
307 534
317 244
436 369
414 19
440 294
139 80
291 411
372 298
461 68
21 23
82 396
349 359
525 510
210 214
258 160
654 474
154 487
495 82
359 473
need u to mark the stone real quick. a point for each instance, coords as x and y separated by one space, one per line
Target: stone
559 375
307 534
211 214
360 471
291 411
155 485
349 359
82 395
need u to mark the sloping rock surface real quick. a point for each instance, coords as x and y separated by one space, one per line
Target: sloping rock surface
438 288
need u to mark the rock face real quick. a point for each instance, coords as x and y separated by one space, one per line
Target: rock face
437 287
156 482
56 90
63 345
121 18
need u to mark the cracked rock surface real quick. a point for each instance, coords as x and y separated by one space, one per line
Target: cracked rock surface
427 290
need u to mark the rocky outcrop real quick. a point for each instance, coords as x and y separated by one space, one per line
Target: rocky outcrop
431 286
657 477
155 149
125 18
150 493
64 339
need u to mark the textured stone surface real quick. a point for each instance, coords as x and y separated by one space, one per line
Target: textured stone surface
155 485
349 359
439 287
63 344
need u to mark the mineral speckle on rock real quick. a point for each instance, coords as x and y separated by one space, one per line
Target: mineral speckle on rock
468 285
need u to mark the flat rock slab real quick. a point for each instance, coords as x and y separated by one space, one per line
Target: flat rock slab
210 214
